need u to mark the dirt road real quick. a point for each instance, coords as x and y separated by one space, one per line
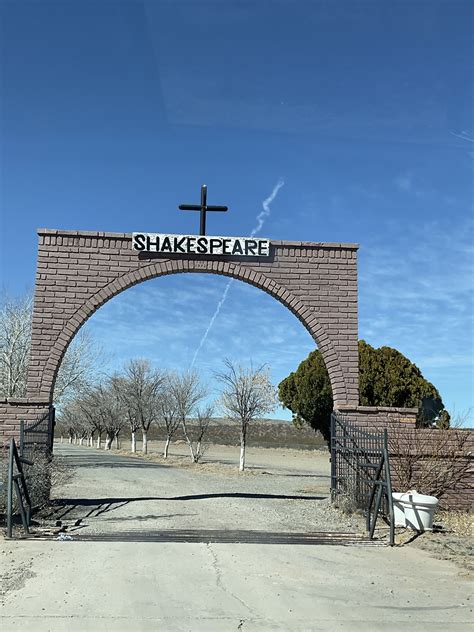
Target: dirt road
283 490
123 584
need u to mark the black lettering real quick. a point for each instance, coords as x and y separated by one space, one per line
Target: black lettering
166 245
214 244
226 248
250 247
202 245
178 244
139 242
237 249
263 248
191 242
152 245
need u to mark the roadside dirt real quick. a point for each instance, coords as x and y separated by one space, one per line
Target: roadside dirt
13 574
452 539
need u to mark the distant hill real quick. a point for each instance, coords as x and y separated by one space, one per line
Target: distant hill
219 421
265 433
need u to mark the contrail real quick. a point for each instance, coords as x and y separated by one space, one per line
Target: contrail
464 136
211 322
261 217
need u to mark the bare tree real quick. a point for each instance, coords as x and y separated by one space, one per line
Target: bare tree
72 421
89 405
168 419
80 365
102 410
112 412
247 395
145 386
82 430
15 332
203 419
65 423
435 461
79 368
125 394
187 391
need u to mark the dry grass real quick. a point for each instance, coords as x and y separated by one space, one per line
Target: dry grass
228 469
313 489
458 522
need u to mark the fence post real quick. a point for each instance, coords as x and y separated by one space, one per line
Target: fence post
388 482
22 437
333 459
52 424
10 491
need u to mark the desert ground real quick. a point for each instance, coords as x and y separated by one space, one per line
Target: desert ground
135 543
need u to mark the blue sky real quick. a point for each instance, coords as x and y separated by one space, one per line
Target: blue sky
113 113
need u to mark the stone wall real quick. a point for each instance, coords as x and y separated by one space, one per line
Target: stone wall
426 456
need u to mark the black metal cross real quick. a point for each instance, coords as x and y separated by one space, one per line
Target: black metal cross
203 208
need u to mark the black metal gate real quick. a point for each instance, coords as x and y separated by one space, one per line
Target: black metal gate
37 435
360 471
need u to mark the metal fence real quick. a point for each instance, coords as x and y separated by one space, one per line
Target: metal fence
17 485
37 435
28 476
360 471
35 448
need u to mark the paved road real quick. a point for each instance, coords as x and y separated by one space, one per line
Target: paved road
143 586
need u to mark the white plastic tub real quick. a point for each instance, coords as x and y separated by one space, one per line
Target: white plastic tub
414 510
398 510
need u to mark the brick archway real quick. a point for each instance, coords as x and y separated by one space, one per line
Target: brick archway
80 271
160 269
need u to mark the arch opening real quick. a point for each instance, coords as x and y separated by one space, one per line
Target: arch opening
118 286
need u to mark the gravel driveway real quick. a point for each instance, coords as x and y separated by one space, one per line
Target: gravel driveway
281 490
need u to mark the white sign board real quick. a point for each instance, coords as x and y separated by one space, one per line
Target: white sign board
200 245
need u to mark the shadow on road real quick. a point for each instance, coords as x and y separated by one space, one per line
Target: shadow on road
95 460
97 506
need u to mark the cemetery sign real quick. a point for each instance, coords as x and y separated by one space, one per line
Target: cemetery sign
200 245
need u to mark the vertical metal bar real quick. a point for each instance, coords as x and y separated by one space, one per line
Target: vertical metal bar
22 437
52 424
10 490
333 459
376 511
22 508
388 482
25 492
372 494
202 229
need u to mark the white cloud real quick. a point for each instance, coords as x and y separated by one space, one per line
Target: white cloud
421 301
